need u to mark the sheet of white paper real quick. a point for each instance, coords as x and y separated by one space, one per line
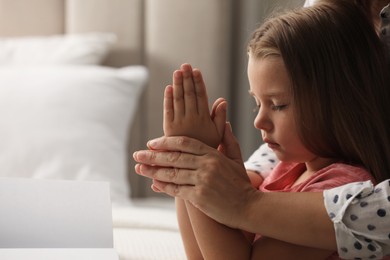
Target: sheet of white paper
59 254
54 214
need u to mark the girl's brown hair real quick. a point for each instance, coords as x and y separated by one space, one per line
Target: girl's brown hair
340 83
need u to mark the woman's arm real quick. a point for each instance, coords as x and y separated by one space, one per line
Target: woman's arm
299 218
217 185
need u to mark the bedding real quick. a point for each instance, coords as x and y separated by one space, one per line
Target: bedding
72 122
147 229
69 122
85 48
63 116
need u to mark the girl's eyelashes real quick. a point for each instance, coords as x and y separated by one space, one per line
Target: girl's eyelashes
278 107
273 108
272 104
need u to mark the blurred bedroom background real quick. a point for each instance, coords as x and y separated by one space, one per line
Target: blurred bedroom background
157 34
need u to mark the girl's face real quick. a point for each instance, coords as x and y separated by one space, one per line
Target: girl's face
270 86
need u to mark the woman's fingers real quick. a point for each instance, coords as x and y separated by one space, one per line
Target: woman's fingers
179 144
166 174
182 191
166 159
176 151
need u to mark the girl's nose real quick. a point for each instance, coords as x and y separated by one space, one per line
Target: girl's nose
262 121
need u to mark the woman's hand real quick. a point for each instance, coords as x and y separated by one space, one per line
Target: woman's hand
213 181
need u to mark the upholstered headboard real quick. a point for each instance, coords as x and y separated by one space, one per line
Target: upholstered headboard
46 17
160 34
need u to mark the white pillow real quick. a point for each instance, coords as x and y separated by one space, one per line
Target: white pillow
88 48
68 122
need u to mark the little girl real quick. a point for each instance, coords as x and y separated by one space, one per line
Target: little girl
319 80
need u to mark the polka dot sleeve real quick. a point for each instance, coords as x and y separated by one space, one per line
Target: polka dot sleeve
262 161
361 216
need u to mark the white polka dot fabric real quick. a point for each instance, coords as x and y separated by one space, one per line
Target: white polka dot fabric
361 216
262 161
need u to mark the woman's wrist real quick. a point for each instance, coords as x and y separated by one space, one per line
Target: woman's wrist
248 218
298 218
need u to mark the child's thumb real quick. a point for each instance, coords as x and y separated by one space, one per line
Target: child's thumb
230 144
220 117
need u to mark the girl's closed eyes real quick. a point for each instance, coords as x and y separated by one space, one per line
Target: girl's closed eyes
279 107
274 105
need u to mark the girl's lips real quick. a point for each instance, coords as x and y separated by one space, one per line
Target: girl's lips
271 144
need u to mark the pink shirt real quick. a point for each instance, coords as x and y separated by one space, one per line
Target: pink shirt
285 174
337 174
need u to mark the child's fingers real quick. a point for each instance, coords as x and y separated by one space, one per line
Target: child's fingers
178 93
219 118
169 112
214 107
230 144
201 93
190 103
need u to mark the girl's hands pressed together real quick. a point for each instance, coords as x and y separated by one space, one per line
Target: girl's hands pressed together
186 111
185 163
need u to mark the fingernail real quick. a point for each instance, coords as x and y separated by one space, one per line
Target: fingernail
139 155
224 105
154 188
137 169
152 143
177 74
230 126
